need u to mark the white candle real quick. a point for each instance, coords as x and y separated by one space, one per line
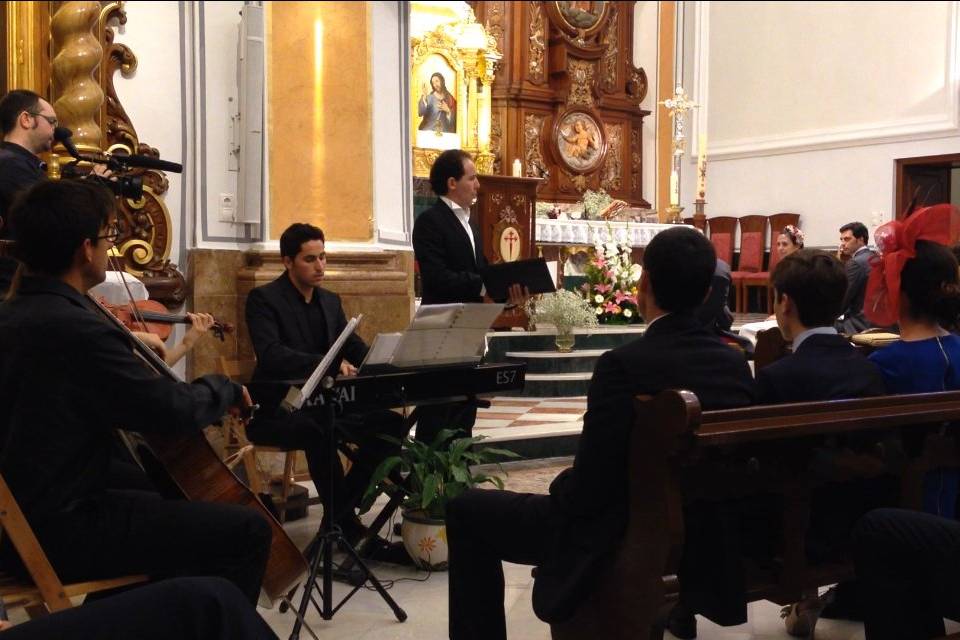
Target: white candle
702 168
674 188
517 168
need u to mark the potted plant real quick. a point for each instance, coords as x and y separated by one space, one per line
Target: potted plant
434 474
565 310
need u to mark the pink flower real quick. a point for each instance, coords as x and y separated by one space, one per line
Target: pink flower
602 288
619 297
600 263
608 275
611 308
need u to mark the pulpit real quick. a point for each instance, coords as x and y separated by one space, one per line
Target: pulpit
505 212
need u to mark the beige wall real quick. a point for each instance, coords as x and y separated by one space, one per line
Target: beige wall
319 117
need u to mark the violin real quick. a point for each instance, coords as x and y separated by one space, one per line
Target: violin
152 317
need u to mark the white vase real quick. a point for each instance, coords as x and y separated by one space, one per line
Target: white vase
425 540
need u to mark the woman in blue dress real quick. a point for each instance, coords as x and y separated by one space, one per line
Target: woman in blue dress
927 356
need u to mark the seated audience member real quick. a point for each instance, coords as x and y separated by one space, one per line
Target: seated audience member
908 563
853 244
70 378
175 609
789 240
917 284
293 321
714 314
572 534
808 289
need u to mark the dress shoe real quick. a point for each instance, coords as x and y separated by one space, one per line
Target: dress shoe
680 622
800 618
384 551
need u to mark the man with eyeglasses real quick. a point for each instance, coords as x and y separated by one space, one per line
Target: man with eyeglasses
27 122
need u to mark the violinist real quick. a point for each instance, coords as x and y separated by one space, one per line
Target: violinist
69 378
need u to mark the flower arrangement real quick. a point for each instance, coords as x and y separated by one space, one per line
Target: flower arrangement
611 286
594 202
563 309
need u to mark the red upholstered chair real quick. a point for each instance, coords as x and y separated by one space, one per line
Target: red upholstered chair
777 222
750 270
721 230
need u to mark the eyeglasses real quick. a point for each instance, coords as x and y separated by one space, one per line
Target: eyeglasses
51 120
112 234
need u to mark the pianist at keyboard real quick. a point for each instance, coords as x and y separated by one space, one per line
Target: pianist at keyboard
292 323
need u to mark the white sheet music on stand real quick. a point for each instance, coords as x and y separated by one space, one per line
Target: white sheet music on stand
438 334
296 397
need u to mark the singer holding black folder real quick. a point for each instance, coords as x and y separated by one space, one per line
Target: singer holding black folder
449 251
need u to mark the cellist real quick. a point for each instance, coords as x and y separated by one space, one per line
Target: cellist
68 378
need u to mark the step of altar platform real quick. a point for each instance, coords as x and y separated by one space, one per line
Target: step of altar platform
532 427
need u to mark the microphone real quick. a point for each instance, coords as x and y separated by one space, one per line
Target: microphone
64 136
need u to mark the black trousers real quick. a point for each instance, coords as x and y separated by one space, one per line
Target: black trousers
908 567
129 532
177 609
308 431
431 419
484 528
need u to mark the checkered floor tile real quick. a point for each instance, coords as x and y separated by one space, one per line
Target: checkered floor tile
510 418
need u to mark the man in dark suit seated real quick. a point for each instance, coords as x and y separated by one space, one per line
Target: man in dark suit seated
853 244
808 291
293 322
571 535
714 313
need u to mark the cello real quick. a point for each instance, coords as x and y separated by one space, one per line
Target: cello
192 466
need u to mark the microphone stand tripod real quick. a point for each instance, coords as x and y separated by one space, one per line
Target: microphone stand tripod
321 548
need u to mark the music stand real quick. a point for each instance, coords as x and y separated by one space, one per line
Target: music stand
321 547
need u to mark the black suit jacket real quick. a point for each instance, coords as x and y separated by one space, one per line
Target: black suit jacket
858 273
590 498
68 378
825 367
449 266
280 337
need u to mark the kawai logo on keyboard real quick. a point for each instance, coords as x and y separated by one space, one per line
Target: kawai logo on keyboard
340 395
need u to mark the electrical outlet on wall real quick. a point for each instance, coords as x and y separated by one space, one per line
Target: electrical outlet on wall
228 207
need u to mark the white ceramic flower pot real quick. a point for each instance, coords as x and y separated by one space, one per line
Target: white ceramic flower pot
425 540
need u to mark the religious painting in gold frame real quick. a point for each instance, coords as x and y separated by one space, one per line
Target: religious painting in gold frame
438 98
581 18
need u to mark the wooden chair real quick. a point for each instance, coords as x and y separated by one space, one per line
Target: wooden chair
777 222
721 231
46 593
750 269
235 436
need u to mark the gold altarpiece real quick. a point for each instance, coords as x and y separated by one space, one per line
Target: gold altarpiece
452 67
65 51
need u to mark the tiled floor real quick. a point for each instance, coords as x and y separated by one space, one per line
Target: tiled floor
424 597
511 418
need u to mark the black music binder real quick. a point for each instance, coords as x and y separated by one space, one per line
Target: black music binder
532 273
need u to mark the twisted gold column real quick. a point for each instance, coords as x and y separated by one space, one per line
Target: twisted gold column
76 56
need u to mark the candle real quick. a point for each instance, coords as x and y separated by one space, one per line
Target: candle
702 168
517 168
674 188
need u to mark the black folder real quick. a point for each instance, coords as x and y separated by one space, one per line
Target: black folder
532 274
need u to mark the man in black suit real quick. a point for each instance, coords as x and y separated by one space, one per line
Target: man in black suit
572 534
293 322
714 314
808 290
853 244
449 251
68 379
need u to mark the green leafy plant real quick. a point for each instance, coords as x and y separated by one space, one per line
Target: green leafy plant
436 473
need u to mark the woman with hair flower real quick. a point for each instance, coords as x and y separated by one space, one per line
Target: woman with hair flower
789 240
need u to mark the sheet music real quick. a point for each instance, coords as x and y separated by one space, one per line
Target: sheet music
296 397
446 334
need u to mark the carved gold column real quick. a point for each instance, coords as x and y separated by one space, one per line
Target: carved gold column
26 39
76 56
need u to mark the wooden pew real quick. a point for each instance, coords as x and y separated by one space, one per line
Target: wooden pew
679 453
